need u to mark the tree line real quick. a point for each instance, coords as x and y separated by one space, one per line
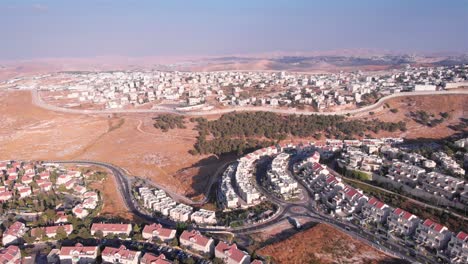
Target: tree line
238 132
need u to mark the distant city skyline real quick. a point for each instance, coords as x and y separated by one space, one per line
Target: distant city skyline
50 29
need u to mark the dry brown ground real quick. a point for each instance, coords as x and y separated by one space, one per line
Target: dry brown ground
322 244
131 142
112 201
455 105
29 132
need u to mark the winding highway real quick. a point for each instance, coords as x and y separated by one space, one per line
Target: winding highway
37 100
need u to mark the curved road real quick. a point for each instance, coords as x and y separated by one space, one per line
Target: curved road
286 209
124 187
37 100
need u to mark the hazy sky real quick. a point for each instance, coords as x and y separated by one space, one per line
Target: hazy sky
35 29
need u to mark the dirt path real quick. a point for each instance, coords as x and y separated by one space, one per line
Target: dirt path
149 133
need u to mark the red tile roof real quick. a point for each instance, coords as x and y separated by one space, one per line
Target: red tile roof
462 236
14 229
231 251
78 249
122 251
7 255
195 237
150 258
49 230
433 225
158 229
116 228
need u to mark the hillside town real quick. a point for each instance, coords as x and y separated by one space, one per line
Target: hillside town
186 91
158 201
67 214
276 173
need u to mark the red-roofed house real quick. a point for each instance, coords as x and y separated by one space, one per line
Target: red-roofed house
78 254
150 258
230 254
80 189
27 179
62 179
10 255
44 185
79 211
24 191
62 218
433 235
71 184
51 231
402 223
12 172
194 240
120 255
107 229
28 168
156 230
45 175
5 196
14 233
457 248
374 211
3 165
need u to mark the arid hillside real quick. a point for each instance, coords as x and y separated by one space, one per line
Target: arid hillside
322 244
131 141
397 109
29 132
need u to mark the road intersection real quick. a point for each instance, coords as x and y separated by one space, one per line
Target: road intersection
286 209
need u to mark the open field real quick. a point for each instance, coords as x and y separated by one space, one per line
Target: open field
131 142
455 105
322 244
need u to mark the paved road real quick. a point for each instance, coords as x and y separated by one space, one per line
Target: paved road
37 100
124 187
357 232
285 211
426 205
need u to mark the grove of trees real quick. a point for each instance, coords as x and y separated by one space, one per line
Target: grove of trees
239 132
168 121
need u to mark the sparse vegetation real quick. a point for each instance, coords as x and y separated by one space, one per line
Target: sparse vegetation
428 119
165 122
237 218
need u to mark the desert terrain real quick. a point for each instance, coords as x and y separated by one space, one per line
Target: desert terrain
131 141
322 244
455 105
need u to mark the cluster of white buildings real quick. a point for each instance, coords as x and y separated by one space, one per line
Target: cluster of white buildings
88 254
227 196
448 163
157 200
427 233
339 197
238 183
411 169
359 159
346 201
279 178
120 89
435 183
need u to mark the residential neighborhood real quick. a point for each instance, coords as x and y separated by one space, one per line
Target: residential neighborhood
186 91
